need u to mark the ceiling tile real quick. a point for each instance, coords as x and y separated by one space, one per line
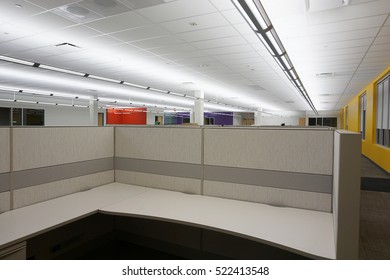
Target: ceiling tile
196 23
243 28
341 44
234 17
158 42
344 36
382 40
173 49
385 31
351 12
223 4
74 32
10 12
119 22
382 47
44 22
237 56
191 54
140 33
98 42
50 4
227 50
177 10
105 7
11 48
10 32
36 41
207 34
350 25
221 42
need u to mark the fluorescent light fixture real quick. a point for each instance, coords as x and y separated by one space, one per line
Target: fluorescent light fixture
134 85
47 67
103 79
254 13
15 60
277 46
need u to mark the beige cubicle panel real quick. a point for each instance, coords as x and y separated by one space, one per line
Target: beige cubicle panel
55 161
166 158
280 167
4 169
346 194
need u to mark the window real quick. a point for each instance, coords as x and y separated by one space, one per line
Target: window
327 121
363 105
33 117
382 113
5 117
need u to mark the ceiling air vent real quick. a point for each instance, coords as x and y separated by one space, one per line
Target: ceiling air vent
323 5
77 13
325 75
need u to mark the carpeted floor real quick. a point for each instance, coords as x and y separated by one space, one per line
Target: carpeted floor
374 213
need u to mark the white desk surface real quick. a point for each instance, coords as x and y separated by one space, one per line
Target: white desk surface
29 221
304 231
308 232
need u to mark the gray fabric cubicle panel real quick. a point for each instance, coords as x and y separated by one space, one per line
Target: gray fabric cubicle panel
5 150
5 201
176 169
40 147
268 178
172 183
182 144
4 182
272 196
43 175
38 193
293 150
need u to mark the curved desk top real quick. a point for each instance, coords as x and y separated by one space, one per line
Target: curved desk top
306 232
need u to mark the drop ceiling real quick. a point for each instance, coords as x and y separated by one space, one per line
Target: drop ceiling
187 45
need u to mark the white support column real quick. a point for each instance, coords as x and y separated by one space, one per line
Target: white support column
192 117
199 107
258 117
93 112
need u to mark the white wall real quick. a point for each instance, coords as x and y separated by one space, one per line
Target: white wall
57 115
273 120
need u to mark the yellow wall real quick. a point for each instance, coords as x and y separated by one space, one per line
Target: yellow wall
377 153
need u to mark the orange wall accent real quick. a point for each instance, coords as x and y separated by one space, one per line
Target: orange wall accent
126 116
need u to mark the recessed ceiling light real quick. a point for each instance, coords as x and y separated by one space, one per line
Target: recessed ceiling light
18 6
188 83
203 65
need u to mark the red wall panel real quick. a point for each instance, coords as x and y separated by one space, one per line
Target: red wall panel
126 116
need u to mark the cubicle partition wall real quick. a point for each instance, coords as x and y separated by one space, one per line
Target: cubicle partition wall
4 169
52 162
166 158
311 169
281 167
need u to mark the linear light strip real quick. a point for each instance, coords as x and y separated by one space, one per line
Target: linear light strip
86 75
254 13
